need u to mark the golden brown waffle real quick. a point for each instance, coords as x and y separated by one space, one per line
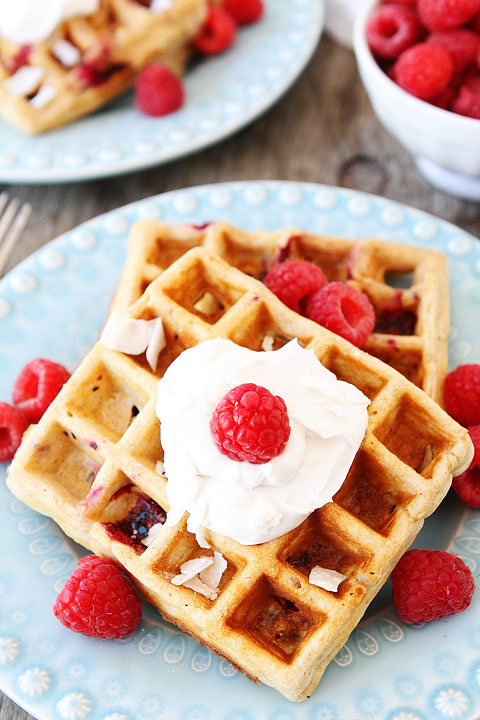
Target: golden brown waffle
92 460
119 40
413 319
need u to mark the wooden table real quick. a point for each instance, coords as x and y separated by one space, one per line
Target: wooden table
323 130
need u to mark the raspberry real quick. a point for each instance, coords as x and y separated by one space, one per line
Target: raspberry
96 65
250 424
474 24
344 310
430 584
294 280
12 426
463 45
19 60
467 101
462 394
244 11
424 70
467 485
158 91
392 29
98 601
36 386
446 14
218 32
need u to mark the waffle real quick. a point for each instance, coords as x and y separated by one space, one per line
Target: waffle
91 463
412 327
117 41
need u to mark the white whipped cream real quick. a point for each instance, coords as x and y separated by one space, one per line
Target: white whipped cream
255 503
30 21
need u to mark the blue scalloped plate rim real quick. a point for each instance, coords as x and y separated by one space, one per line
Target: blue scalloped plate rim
223 93
53 304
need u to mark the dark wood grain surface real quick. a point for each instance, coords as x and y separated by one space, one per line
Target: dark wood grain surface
323 130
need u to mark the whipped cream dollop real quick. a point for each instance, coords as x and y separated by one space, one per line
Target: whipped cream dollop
255 503
25 22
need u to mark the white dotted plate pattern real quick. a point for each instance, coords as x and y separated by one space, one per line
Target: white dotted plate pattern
223 94
53 305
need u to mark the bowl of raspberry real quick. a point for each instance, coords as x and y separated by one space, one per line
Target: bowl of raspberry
420 63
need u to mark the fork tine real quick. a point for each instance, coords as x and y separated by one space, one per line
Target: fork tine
14 233
8 216
3 201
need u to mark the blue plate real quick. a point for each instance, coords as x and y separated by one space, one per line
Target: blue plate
53 305
223 94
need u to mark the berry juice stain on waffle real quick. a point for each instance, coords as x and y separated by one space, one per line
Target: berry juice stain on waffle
62 60
229 448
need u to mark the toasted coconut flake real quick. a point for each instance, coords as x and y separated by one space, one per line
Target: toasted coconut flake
25 81
160 468
212 575
196 584
128 335
152 534
267 343
191 568
159 6
326 579
156 344
68 54
43 96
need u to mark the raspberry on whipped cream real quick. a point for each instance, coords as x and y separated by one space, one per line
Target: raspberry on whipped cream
255 503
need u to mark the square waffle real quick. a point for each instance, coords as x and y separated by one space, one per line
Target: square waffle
413 320
91 463
115 43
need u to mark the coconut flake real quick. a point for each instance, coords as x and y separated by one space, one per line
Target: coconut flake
196 584
158 6
190 568
160 468
128 335
212 575
68 54
43 96
267 343
156 344
152 534
25 81
326 579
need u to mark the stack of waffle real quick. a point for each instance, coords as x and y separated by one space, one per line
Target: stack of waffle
91 59
94 461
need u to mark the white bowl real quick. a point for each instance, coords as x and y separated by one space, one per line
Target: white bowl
446 146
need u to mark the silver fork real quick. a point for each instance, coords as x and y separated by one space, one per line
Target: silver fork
13 218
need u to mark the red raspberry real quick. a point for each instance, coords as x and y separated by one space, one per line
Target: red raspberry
392 29
158 91
467 101
424 70
98 601
19 60
430 584
475 23
463 45
244 11
12 426
96 65
218 32
344 310
36 386
446 14
445 98
250 424
293 281
462 394
467 485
